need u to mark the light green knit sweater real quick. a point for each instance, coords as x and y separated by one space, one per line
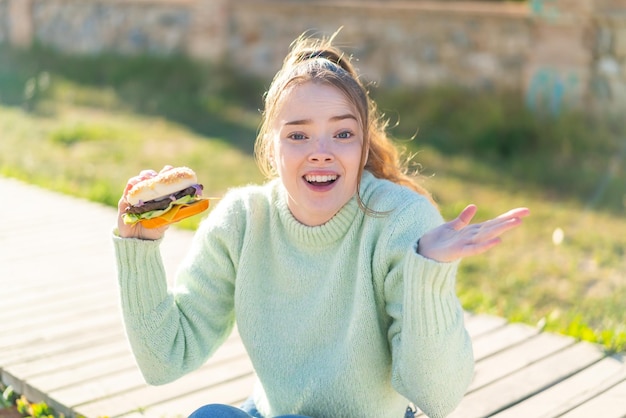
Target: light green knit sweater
339 320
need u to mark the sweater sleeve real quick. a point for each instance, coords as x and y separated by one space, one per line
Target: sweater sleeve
431 351
174 331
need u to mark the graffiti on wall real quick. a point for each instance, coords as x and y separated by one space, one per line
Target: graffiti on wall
546 9
550 89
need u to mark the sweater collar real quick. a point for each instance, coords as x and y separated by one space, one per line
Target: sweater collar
327 233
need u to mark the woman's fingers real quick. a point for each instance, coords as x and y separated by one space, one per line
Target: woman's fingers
143 175
464 218
507 220
515 213
481 246
491 229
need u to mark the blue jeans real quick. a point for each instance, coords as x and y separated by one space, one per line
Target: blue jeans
247 410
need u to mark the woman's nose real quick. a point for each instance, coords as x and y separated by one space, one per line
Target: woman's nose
322 151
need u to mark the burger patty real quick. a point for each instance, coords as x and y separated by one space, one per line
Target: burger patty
163 203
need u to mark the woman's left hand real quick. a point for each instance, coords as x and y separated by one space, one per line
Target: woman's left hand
457 239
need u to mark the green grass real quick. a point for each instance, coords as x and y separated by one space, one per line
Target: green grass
84 125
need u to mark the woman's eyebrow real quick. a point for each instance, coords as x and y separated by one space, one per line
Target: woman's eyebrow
332 119
300 122
342 117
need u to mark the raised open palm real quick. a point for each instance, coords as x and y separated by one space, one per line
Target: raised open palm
458 238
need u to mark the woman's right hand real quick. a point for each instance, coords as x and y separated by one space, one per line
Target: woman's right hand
137 230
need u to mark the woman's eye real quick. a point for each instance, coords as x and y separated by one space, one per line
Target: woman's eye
345 135
296 136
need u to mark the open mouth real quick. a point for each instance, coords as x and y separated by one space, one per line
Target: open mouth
317 180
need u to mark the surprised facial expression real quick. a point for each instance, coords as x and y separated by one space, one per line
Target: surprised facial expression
317 142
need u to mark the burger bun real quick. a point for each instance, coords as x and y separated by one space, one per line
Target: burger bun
162 185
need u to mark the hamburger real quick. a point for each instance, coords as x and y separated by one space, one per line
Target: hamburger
165 198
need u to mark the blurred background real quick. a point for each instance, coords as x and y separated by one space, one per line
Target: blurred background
500 103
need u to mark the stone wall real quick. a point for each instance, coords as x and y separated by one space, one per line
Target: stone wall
411 44
558 52
4 21
127 27
608 72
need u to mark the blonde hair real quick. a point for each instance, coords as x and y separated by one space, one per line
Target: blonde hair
317 60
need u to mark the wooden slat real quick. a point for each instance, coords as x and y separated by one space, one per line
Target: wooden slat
111 385
41 296
516 358
573 392
41 387
527 382
87 338
208 379
232 392
478 325
502 338
610 404
62 361
91 304
59 330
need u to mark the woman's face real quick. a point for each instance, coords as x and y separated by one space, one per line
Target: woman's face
317 142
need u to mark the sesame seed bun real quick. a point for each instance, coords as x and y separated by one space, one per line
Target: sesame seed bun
162 185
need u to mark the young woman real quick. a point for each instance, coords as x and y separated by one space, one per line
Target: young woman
339 272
